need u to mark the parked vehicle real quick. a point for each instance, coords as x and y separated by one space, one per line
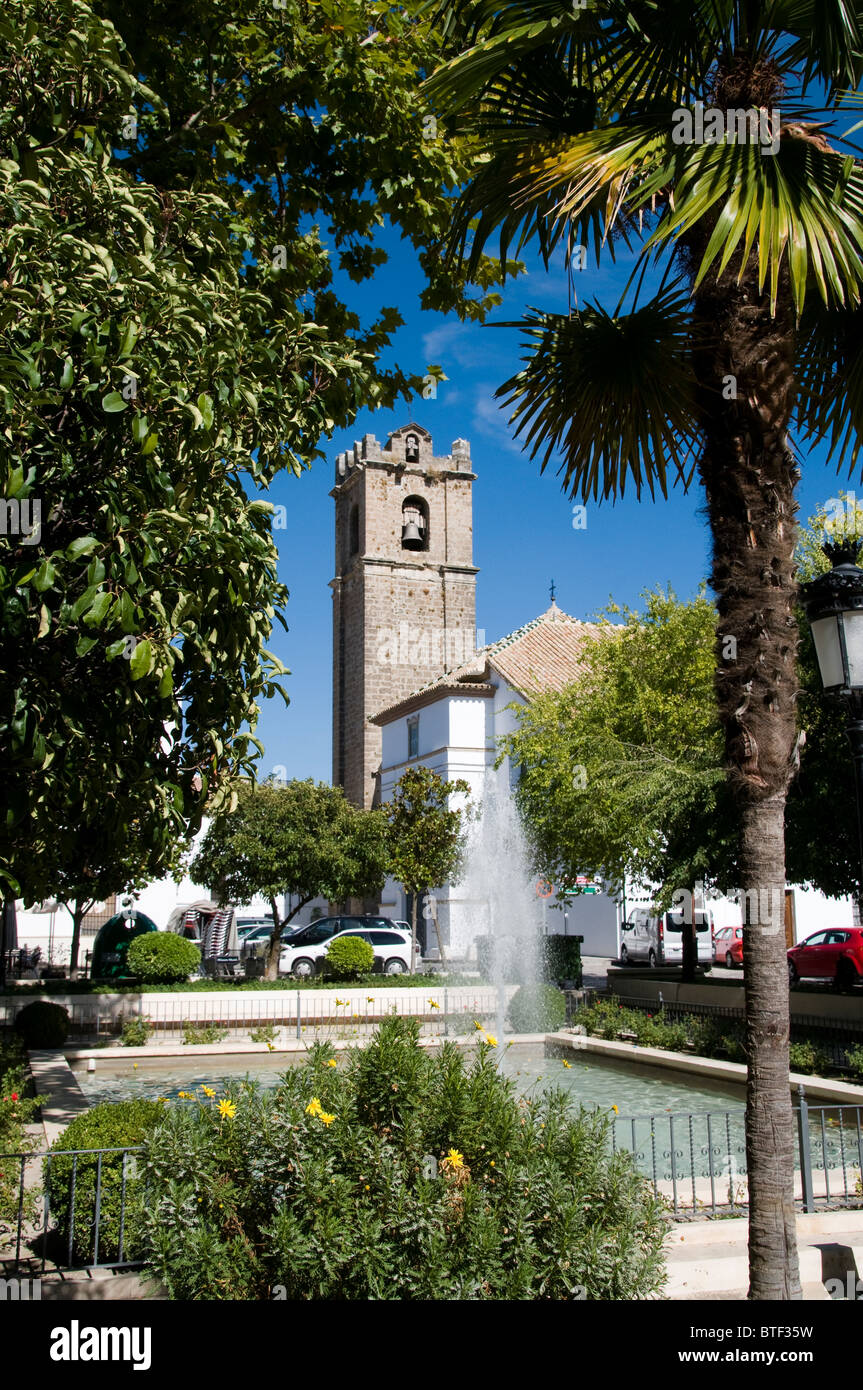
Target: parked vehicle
728 947
835 954
246 925
659 940
304 951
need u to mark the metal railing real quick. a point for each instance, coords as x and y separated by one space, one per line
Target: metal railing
78 1215
73 1214
332 1014
697 1162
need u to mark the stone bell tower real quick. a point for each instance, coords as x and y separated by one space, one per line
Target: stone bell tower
404 592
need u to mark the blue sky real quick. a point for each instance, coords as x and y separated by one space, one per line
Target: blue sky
523 532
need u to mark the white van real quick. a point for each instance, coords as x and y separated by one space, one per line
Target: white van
659 940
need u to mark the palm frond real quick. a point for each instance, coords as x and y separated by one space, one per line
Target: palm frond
614 396
830 381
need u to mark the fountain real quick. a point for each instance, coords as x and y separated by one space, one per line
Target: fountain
498 894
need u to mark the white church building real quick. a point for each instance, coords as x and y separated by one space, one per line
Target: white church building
453 726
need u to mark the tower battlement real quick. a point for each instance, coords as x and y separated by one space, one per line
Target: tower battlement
403 554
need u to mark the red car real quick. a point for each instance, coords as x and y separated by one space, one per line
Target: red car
836 955
728 947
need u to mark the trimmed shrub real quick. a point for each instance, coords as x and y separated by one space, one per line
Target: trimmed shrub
123 1124
162 957
347 957
397 1174
43 1024
537 1009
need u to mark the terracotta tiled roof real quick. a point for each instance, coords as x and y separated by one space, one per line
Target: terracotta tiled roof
546 654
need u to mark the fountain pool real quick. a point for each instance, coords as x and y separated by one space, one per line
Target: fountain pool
635 1089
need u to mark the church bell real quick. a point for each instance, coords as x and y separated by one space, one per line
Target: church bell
412 538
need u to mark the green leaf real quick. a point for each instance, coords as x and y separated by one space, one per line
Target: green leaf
45 576
142 660
98 610
81 546
113 403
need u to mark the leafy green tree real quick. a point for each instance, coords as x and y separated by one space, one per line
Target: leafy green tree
91 861
426 837
309 122
622 771
301 838
137 383
682 128
177 189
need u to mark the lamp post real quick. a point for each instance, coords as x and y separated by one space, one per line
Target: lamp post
834 607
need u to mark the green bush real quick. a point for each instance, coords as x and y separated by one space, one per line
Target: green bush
808 1057
162 957
537 1009
18 1109
107 1126
347 957
43 1024
397 1174
135 1032
202 1033
266 1033
854 1057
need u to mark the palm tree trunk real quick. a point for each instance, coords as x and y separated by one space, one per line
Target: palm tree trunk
744 369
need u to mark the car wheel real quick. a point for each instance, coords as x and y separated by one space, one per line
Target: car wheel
395 967
793 977
729 961
651 959
624 956
303 969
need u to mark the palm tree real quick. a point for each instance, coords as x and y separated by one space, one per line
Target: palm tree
599 125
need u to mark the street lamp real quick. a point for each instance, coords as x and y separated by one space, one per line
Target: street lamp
834 607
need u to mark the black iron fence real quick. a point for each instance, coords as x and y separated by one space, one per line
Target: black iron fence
77 1209
70 1209
697 1162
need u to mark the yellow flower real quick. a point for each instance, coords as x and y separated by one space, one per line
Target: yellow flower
314 1106
490 1039
453 1160
209 1092
227 1109
332 1062
477 1025
567 1064
270 1047
370 998
434 1003
615 1109
325 1119
163 1100
134 1066
343 1001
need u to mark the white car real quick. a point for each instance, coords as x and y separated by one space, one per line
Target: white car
392 953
